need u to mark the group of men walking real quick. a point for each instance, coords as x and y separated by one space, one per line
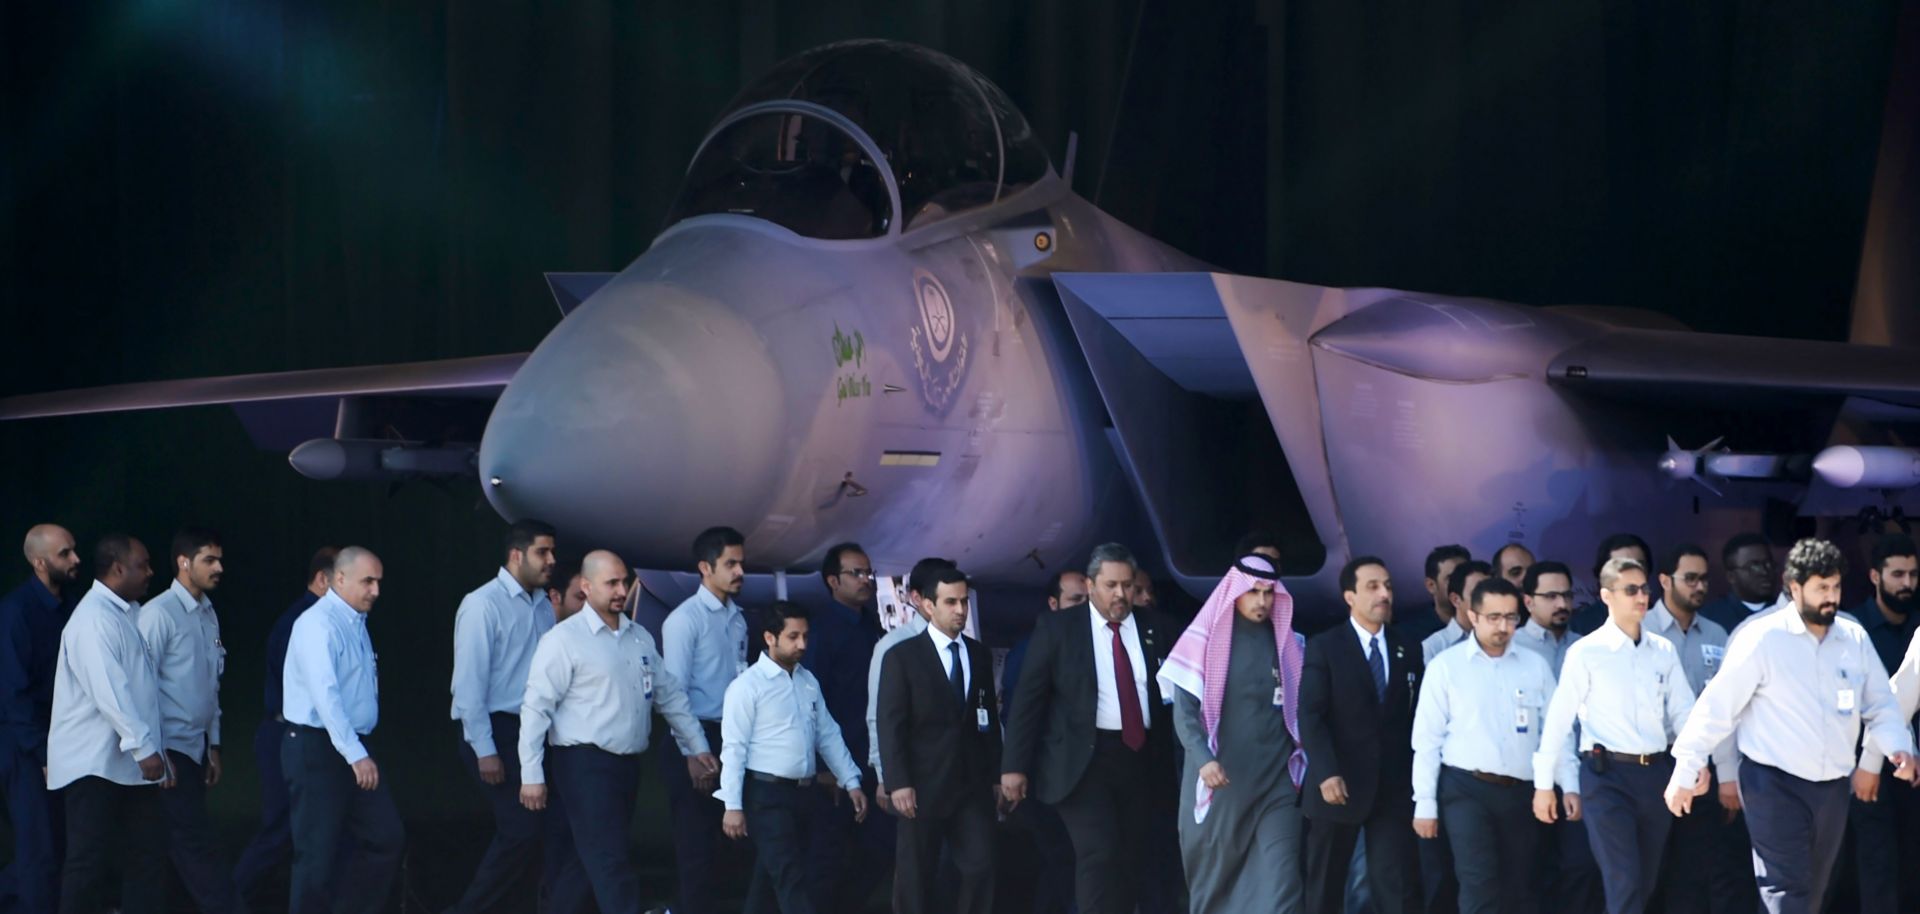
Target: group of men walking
1486 758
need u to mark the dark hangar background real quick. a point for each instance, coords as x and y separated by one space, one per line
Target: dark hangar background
225 187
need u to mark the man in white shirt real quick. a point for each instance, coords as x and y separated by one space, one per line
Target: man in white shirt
592 687
1793 692
1459 591
183 636
494 634
106 745
775 724
1548 591
1475 731
1626 688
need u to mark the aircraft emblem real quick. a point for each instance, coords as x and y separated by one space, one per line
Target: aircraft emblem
939 346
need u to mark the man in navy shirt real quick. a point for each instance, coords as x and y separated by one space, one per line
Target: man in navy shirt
273 842
1885 819
849 858
30 621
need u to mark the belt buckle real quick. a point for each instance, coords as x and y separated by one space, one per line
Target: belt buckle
1645 760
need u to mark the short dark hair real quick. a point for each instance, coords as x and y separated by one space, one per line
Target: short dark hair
1893 545
521 535
1457 581
1618 541
1671 566
1254 539
1741 541
1814 558
713 542
1531 583
1054 590
322 561
922 569
1493 586
563 574
830 566
928 576
1350 572
1450 552
773 620
112 549
188 542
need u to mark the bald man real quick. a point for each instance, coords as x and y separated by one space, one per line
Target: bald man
30 621
330 699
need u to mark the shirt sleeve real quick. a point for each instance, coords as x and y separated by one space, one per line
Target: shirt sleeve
1905 685
1430 719
1711 721
16 683
106 680
219 669
831 746
676 663
1886 721
548 678
670 698
472 670
873 709
736 729
1556 731
1188 726
313 658
1679 696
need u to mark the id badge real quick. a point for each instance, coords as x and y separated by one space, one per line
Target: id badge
1279 690
980 719
1843 701
1522 715
646 685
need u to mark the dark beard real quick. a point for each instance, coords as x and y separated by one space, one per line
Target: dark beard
63 578
1901 605
1821 615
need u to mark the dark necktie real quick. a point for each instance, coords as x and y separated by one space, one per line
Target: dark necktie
1379 666
1133 730
956 675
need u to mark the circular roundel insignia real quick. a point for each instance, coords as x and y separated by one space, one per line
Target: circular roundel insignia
936 314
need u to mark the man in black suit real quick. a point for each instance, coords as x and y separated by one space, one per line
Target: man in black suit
1356 718
939 729
1091 729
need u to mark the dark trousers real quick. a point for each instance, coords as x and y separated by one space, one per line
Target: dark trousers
847 860
347 842
1053 871
1393 881
1493 833
1795 826
1886 843
192 841
1438 887
699 847
597 789
272 844
1627 823
967 836
1107 816
35 871
780 817
1572 877
108 824
1708 866
518 832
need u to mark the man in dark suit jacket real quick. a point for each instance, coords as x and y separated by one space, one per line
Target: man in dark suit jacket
939 729
1356 723
1095 737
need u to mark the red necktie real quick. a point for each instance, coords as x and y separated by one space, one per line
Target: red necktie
1133 730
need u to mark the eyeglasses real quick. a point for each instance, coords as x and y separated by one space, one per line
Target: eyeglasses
1690 579
1501 618
864 574
1552 595
1633 590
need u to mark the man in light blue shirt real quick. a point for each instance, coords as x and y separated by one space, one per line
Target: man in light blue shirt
183 636
1475 731
703 646
775 724
331 700
494 635
915 625
106 745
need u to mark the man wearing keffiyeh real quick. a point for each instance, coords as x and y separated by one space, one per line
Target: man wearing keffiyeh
1235 678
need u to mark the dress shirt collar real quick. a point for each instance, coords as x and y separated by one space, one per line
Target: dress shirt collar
766 668
187 599
1366 637
1870 617
1613 638
596 625
705 599
1474 650
512 584
113 599
940 639
1100 622
1796 625
40 595
332 603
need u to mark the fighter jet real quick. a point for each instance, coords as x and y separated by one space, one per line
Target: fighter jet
878 313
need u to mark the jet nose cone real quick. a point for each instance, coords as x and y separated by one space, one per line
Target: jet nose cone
647 415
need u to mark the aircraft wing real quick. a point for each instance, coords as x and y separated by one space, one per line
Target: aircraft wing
1668 365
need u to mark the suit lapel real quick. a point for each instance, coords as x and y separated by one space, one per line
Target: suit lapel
1359 675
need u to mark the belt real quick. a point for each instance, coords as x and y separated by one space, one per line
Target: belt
1638 758
771 779
1492 778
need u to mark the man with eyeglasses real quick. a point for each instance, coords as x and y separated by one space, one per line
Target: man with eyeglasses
1548 588
1885 817
1794 691
1709 863
1590 617
848 857
1475 731
1627 689
1751 575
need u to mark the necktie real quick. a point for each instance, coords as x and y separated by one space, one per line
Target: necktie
1133 730
1379 666
956 675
